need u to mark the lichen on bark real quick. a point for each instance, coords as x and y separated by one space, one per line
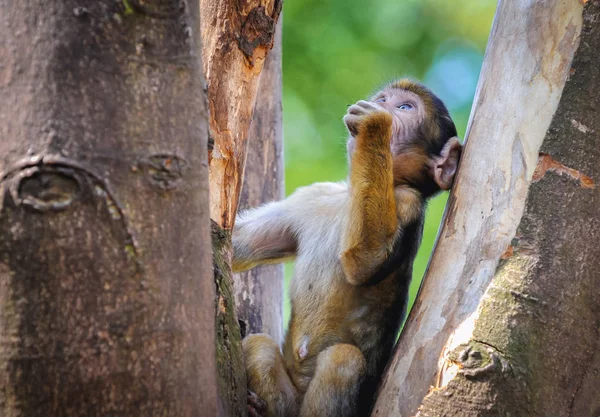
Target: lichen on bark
230 365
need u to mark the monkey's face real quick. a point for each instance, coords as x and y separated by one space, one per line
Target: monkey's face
407 109
423 142
408 112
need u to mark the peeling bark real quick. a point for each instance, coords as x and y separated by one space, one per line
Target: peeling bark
259 292
236 38
106 298
527 62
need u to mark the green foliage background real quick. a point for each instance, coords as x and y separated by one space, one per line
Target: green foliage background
336 52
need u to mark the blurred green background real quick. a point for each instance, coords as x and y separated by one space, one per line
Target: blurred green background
336 52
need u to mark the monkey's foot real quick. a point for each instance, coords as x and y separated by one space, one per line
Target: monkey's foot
256 406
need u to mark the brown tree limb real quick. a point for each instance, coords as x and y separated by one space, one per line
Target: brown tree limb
259 292
236 39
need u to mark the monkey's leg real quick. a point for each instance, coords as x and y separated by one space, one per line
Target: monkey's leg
333 391
267 376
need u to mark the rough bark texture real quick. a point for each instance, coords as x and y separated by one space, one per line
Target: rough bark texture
236 39
259 292
230 362
106 294
536 336
527 62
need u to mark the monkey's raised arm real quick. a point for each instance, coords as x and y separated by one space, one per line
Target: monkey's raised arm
369 233
263 235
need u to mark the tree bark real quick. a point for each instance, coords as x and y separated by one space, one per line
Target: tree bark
532 348
528 60
236 39
106 295
259 292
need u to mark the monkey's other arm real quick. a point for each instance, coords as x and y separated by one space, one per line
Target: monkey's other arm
374 212
264 235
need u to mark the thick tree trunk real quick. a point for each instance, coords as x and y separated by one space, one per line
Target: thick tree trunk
236 39
106 295
259 292
527 63
533 346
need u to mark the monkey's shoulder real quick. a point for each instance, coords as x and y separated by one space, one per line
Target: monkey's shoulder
318 212
322 199
319 190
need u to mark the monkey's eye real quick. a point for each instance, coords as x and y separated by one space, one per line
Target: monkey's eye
380 100
405 106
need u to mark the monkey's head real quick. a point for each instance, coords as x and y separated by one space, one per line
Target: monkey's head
423 140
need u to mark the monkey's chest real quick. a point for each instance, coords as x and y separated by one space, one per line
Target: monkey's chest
327 310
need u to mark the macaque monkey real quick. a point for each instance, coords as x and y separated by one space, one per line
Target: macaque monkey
354 243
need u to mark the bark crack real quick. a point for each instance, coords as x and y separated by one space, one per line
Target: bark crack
580 384
168 10
524 296
489 345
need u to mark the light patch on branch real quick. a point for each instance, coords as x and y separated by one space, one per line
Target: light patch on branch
580 126
461 336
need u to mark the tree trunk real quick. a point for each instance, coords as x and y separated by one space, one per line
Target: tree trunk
106 297
259 292
526 65
236 39
533 346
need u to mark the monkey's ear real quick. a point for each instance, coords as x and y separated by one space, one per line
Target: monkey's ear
445 165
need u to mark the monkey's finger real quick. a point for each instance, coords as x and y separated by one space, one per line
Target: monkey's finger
357 110
369 106
351 119
352 122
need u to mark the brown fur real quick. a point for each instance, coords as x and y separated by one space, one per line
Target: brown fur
368 237
354 244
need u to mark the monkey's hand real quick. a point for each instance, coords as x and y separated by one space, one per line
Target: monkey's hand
369 118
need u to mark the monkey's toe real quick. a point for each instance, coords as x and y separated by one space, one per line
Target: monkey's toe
253 413
257 407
